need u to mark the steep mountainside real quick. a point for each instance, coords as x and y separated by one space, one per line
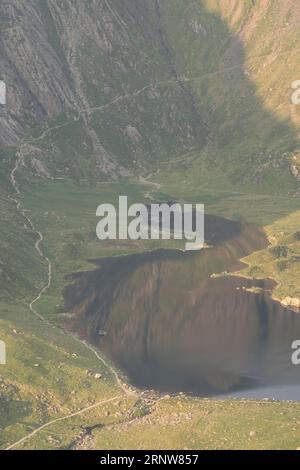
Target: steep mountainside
130 83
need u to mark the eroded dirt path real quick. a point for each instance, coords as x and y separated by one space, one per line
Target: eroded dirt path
128 391
63 418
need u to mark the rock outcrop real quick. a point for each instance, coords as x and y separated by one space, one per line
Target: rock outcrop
120 86
291 302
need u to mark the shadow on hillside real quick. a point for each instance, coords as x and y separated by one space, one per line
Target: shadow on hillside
227 119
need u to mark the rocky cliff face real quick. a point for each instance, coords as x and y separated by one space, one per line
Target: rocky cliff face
37 84
129 83
77 60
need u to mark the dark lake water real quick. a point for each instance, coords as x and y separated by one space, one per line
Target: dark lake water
170 326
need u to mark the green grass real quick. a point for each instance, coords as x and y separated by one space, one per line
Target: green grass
242 174
65 213
281 260
184 423
180 423
45 375
198 184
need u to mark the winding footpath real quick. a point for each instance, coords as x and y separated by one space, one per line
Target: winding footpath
124 387
19 161
40 238
63 418
155 187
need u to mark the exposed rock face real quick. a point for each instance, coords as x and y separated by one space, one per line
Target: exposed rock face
295 171
71 58
133 133
135 82
291 302
37 85
40 168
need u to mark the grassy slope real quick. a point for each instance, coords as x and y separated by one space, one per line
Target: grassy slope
38 394
225 73
21 269
45 374
281 260
180 423
185 423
